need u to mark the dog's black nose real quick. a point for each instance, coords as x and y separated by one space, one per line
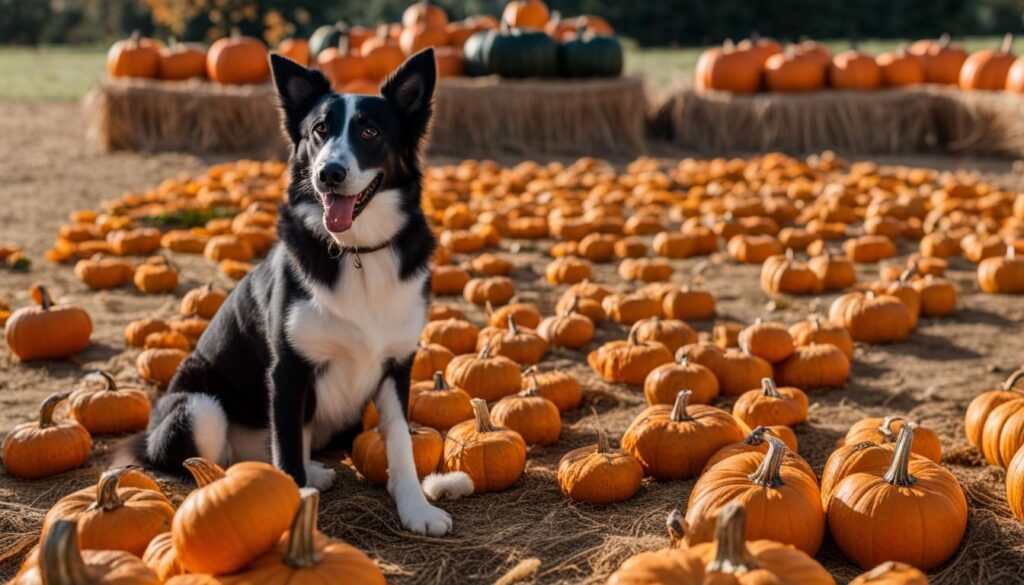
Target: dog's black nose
332 174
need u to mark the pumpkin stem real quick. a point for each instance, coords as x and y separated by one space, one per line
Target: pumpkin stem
203 470
676 524
1011 252
682 402
682 359
111 383
61 562
1015 377
44 297
439 382
907 274
488 308
943 41
816 322
107 498
731 554
886 428
899 472
48 406
768 474
757 436
768 388
482 416
1007 45
485 351
513 329
789 254
574 306
301 552
633 333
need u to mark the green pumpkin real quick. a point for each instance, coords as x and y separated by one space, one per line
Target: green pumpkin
590 55
511 53
325 37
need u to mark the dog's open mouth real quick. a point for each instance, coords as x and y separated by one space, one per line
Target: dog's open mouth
341 210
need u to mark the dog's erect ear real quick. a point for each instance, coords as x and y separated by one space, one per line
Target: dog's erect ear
410 91
298 90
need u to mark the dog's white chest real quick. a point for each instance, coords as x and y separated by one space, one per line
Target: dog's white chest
370 316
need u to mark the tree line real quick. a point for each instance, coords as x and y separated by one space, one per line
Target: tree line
648 22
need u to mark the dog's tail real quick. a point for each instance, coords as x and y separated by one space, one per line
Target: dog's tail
447 486
182 425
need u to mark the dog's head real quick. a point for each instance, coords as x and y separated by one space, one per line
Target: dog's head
348 149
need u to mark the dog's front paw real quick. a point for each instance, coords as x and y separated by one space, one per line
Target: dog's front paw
423 518
318 476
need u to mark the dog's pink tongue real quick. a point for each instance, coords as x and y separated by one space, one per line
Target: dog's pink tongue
338 212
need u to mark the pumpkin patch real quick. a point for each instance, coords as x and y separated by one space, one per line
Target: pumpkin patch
701 306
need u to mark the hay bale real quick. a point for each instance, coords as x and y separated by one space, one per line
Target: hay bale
880 122
979 122
473 117
190 116
489 115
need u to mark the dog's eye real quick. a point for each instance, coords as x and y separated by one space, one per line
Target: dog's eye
368 133
320 128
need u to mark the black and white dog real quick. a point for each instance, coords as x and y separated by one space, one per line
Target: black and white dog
329 321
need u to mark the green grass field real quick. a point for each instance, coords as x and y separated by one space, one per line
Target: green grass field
62 73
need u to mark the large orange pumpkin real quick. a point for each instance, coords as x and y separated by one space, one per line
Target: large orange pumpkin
728 68
675 442
853 70
526 14
181 61
783 502
988 68
914 498
494 457
215 530
237 60
48 331
113 518
133 57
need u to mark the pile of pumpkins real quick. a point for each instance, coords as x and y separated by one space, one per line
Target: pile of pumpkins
482 396
528 41
125 530
233 60
764 64
240 199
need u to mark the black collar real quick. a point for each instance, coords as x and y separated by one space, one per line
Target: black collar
357 251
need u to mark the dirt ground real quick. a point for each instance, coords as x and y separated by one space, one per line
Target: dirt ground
48 171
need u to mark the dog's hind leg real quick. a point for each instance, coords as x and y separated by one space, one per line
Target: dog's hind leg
417 514
184 425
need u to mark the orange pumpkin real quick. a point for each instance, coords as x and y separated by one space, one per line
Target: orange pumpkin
182 61
133 58
783 501
920 497
853 70
676 441
113 518
598 474
237 60
628 361
437 405
492 456
214 530
988 68
38 449
370 455
532 14
48 331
